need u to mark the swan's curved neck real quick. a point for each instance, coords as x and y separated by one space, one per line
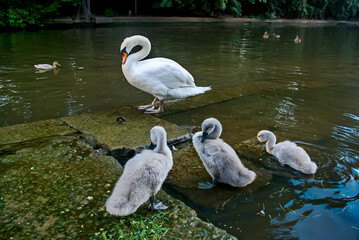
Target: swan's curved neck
161 146
270 143
145 50
217 130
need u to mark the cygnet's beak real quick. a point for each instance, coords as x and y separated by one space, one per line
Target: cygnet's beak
152 146
256 142
204 136
124 55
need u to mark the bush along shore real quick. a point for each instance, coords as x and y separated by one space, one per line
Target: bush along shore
18 15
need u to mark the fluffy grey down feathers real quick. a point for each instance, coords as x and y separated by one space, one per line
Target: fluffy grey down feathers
219 159
142 176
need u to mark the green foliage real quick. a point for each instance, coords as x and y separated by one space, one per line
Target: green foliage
109 12
24 14
270 9
21 14
343 9
205 7
137 227
235 8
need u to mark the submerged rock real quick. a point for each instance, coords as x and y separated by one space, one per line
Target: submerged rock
188 171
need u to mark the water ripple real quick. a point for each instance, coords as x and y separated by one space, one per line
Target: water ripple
352 116
286 110
346 134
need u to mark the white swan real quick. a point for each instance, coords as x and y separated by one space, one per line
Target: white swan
161 77
47 66
220 160
297 39
142 177
287 153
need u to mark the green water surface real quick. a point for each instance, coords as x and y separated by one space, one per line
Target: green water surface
305 92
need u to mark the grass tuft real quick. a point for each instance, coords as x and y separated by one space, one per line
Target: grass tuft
137 227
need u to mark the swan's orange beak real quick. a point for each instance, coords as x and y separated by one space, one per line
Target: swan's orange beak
124 57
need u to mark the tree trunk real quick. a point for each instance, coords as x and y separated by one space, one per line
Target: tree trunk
84 12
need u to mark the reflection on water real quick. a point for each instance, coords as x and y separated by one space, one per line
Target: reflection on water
305 92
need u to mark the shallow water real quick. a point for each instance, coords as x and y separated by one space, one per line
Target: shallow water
307 93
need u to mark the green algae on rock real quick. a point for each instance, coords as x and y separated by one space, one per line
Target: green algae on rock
34 130
20 135
58 190
54 191
122 138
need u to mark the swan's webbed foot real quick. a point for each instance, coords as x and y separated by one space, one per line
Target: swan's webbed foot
148 107
207 185
156 207
152 111
159 110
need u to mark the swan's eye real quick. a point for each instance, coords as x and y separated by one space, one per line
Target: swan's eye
123 50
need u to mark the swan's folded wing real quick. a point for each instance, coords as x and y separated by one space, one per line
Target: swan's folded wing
214 150
166 72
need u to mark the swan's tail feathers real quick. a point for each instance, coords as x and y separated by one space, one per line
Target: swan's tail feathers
245 178
121 206
204 89
184 92
311 168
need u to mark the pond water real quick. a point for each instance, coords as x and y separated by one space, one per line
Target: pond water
304 92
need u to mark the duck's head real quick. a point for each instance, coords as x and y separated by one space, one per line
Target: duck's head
130 42
55 63
211 128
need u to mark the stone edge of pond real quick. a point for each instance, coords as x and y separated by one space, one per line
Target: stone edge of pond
132 135
98 20
123 139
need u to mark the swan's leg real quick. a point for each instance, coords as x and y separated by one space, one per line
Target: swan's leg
158 206
159 110
152 203
207 185
149 107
